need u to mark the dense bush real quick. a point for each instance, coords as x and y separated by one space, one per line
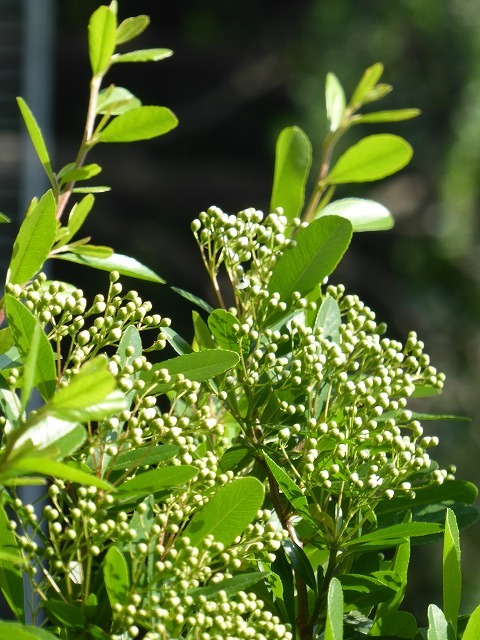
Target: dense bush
268 479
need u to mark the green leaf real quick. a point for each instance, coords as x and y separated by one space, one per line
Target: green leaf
367 82
365 215
293 158
362 592
394 115
335 101
198 366
396 624
228 512
318 249
300 563
329 319
70 441
143 55
145 456
117 576
194 299
438 628
48 467
450 490
334 623
92 251
37 139
9 630
180 345
288 487
123 264
67 615
11 580
372 158
394 533
78 215
102 189
34 241
22 324
156 479
130 28
116 100
472 630
221 323
230 586
101 39
79 173
141 123
202 334
4 218
452 570
30 367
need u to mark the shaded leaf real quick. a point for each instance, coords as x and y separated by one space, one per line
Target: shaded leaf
145 456
362 592
22 324
116 575
123 264
202 334
395 533
293 158
228 512
141 123
396 624
180 345
288 487
143 55
11 580
66 614
194 299
365 215
452 570
116 100
37 139
4 218
329 319
372 158
101 38
221 323
230 586
318 249
300 563
156 479
78 215
34 241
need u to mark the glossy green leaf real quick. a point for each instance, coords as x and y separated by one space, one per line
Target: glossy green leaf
293 158
472 630
203 338
30 367
102 189
452 570
11 580
300 563
221 323
194 299
141 123
450 490
34 241
116 100
230 586
37 139
101 38
156 479
145 456
317 251
361 592
131 341
334 623
372 158
116 575
335 101
180 345
143 55
365 215
228 512
17 631
22 324
71 440
66 614
78 215
329 319
42 431
92 251
396 532
55 469
80 173
437 625
396 624
367 82
4 218
393 115
130 28
123 264
198 366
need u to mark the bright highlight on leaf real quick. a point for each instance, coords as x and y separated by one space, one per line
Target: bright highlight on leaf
141 123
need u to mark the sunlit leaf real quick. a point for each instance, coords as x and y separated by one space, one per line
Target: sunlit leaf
123 264
335 101
367 82
154 480
116 100
92 251
372 158
17 631
81 173
365 215
37 139
472 630
116 575
452 570
55 469
393 115
334 623
230 586
130 28
141 123
143 55
101 38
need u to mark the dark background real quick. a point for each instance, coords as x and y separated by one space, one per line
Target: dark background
239 74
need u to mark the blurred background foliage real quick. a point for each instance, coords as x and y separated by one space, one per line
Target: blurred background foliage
239 74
